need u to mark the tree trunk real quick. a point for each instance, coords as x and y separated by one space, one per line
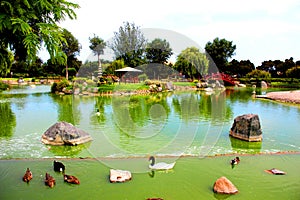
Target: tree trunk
67 72
99 67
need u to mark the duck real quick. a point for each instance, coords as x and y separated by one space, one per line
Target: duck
71 179
27 176
235 161
98 112
49 180
58 166
161 165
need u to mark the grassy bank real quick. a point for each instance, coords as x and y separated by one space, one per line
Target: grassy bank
272 82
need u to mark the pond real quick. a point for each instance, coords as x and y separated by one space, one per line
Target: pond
187 127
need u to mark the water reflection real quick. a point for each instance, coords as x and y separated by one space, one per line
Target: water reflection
241 146
67 151
68 109
7 120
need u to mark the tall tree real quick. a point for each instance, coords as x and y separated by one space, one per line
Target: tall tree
192 62
158 51
129 43
71 48
97 46
26 25
240 68
220 50
6 61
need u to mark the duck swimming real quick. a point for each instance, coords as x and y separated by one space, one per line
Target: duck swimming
49 180
71 179
58 166
98 112
27 176
161 165
235 161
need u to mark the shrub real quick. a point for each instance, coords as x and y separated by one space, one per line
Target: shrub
259 74
58 87
3 86
293 72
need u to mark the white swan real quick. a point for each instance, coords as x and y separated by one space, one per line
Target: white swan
161 165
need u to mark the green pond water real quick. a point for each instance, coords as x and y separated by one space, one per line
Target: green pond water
187 127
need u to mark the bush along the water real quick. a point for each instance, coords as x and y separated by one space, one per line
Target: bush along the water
3 86
61 86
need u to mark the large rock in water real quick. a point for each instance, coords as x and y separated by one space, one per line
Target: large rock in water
224 186
247 127
64 133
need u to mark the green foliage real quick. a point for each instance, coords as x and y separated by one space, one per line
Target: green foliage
116 64
3 86
158 51
293 72
240 68
143 77
6 61
25 25
129 43
97 45
192 63
259 74
58 87
220 50
277 68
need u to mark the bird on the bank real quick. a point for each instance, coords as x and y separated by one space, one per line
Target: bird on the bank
58 166
235 161
49 180
71 179
160 165
27 176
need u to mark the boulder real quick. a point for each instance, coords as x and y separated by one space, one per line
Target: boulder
263 84
247 127
64 133
224 186
119 175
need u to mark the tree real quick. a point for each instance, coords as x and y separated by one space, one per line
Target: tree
293 72
220 50
97 46
26 25
129 43
158 51
71 48
259 74
192 62
6 61
240 68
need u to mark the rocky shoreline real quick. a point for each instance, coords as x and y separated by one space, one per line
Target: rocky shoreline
283 96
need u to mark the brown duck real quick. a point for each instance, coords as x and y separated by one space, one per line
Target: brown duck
49 180
27 176
71 179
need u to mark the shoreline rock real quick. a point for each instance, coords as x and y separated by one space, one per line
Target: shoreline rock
64 133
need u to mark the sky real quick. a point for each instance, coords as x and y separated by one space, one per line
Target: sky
260 29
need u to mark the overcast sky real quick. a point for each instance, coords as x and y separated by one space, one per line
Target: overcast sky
260 29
